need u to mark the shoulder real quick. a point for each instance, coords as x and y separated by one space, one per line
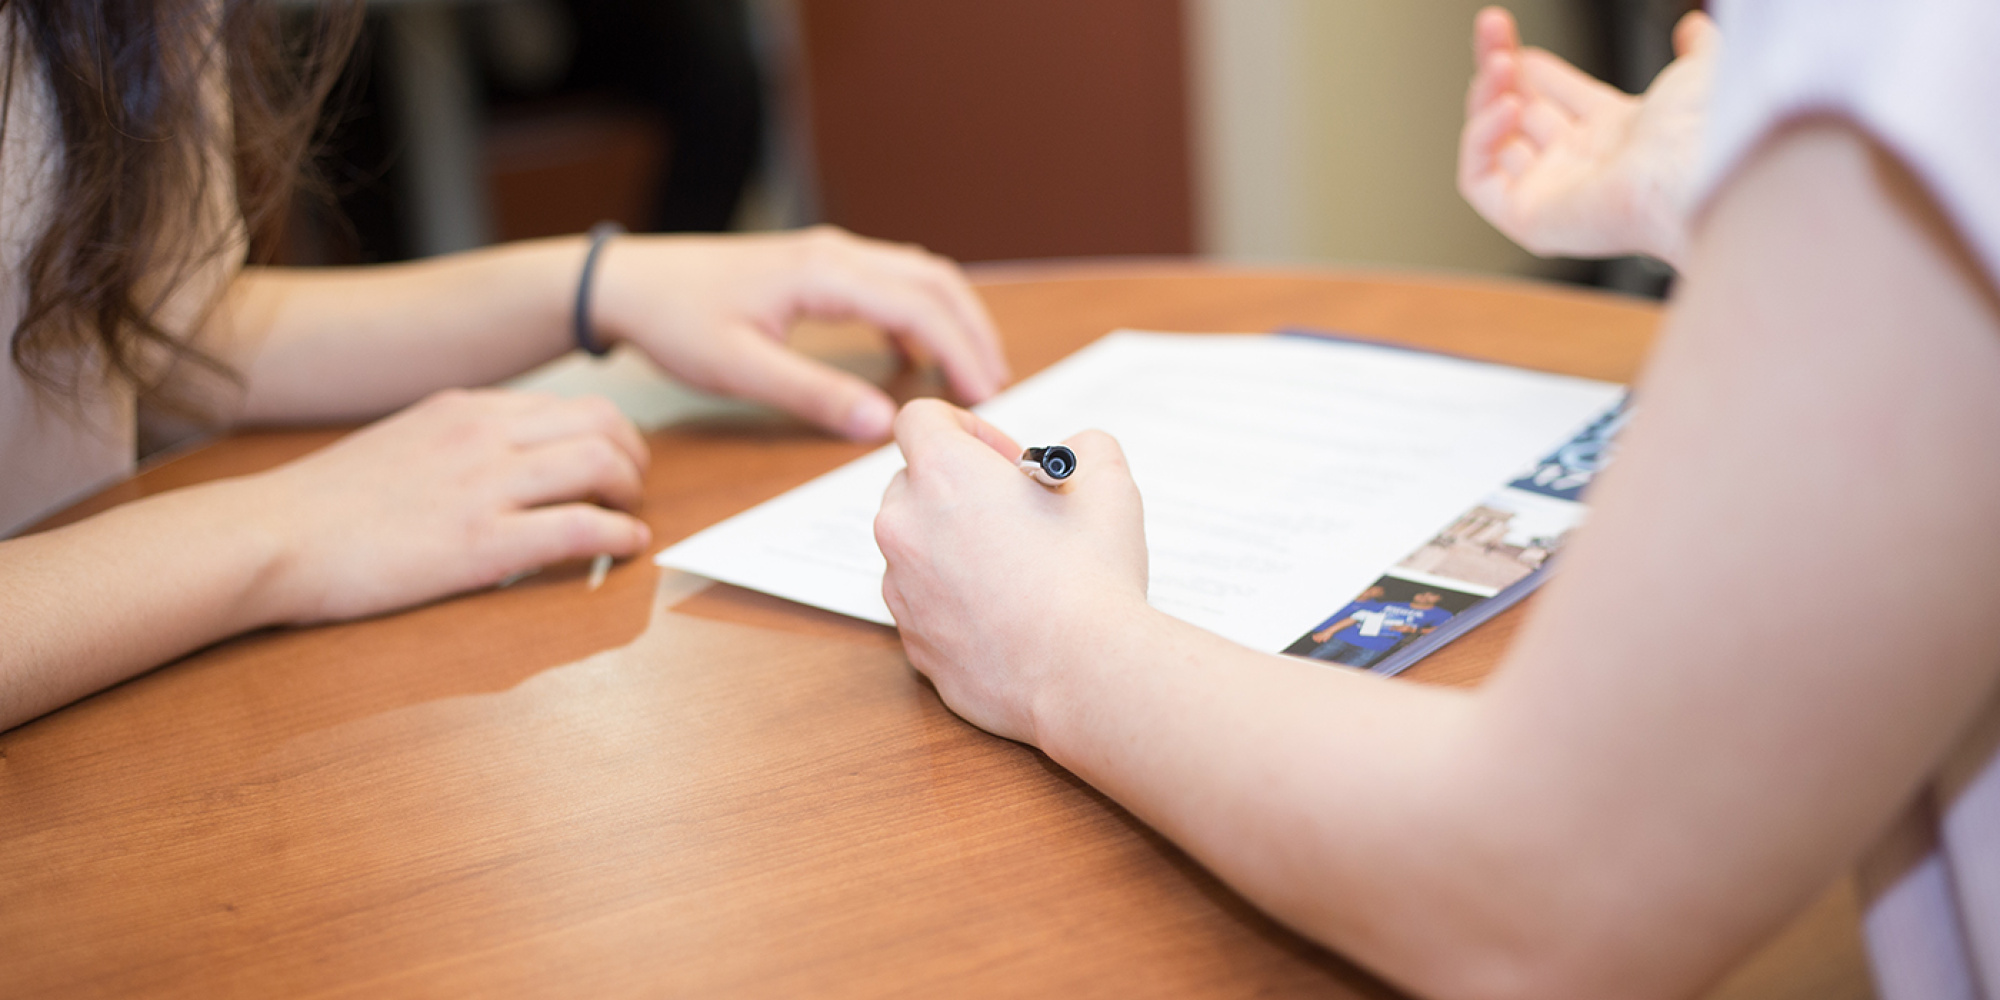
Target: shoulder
1919 76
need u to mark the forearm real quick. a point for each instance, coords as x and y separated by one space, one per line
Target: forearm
1235 756
98 601
344 344
1627 804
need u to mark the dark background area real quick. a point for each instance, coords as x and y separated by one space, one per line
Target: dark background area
1031 128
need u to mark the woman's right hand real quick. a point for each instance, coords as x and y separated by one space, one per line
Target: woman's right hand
459 491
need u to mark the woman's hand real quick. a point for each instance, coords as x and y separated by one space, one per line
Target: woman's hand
459 491
998 583
1565 165
715 311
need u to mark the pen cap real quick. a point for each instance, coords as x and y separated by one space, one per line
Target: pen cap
1058 461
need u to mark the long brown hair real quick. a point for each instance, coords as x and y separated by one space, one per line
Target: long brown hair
130 217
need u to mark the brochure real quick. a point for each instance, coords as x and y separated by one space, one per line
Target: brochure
1481 564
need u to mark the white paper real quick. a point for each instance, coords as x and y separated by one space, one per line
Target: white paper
1281 475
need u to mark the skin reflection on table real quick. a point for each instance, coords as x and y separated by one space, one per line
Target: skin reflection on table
667 788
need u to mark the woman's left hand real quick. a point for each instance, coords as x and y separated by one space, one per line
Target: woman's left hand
997 582
714 311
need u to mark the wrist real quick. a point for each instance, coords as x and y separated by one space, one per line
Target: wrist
587 327
1658 217
269 554
1108 646
1664 230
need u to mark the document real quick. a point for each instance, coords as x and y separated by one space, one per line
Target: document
1281 473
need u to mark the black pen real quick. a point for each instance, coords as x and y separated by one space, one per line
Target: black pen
1049 465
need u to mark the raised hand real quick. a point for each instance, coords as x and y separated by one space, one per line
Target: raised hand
1566 165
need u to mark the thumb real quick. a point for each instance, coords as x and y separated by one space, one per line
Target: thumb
1695 32
1101 468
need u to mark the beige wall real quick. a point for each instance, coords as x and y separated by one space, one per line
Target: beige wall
1327 130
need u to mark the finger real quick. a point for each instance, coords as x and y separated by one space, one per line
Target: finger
898 484
1543 123
969 358
770 372
1517 157
841 284
1545 74
1493 30
1695 32
574 468
1480 143
546 535
1103 478
947 284
1498 76
555 418
927 428
1097 453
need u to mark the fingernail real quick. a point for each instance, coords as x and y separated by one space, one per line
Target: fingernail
870 418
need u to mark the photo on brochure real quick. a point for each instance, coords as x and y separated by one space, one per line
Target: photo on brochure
1506 537
1567 471
1392 613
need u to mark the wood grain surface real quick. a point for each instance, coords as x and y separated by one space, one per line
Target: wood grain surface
663 788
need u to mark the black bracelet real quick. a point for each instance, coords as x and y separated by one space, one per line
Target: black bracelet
586 339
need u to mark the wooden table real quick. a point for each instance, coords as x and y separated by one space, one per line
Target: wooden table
655 789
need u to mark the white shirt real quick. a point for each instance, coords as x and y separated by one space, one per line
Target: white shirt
52 449
58 446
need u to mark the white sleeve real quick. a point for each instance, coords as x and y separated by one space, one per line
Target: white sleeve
1920 76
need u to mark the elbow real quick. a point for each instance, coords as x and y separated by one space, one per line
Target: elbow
1528 975
1462 969
1502 938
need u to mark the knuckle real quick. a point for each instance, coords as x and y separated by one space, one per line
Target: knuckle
447 400
577 529
468 428
941 268
600 409
812 254
916 412
927 407
603 459
892 597
889 535
483 538
1102 447
825 241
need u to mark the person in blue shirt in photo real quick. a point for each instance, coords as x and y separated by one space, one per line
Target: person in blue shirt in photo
1369 628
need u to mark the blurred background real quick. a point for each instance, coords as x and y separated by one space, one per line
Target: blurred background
1269 131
